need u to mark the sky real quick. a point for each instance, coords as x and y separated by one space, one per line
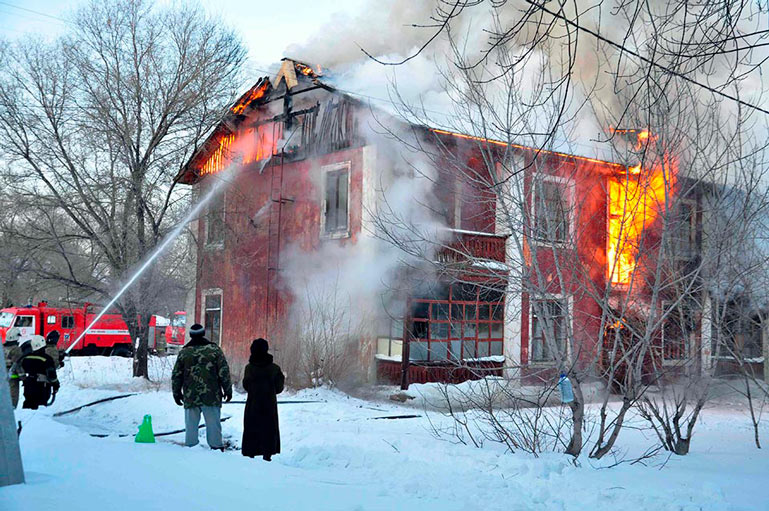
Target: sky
267 27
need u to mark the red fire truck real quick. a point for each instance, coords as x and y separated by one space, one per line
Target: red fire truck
176 331
108 336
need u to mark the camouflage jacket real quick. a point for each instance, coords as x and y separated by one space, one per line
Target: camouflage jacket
12 354
201 375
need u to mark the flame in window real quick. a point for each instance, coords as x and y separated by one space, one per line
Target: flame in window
636 200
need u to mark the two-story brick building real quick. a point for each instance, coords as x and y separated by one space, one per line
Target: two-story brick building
315 172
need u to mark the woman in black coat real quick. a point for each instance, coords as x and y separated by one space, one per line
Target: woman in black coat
263 381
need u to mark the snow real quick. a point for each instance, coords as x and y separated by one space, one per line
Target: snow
491 265
335 456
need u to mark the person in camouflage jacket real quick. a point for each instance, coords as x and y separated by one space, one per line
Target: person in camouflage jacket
200 379
12 354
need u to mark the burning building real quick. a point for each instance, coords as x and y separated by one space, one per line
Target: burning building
441 280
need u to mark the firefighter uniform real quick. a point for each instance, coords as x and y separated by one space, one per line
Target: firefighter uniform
38 373
12 354
52 350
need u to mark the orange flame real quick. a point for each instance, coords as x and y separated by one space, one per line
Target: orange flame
254 144
254 94
636 199
220 157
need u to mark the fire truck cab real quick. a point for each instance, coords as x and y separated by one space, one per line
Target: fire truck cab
176 331
108 336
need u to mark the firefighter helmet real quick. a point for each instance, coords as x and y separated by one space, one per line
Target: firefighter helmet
33 343
12 335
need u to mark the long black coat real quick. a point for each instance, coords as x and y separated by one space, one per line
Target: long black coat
263 381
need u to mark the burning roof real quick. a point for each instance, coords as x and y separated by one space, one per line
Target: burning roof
295 77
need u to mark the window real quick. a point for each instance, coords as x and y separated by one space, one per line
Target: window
215 222
675 334
51 319
548 328
5 319
179 320
390 338
685 231
458 322
212 317
23 321
68 322
335 217
551 209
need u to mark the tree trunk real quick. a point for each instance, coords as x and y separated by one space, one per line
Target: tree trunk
577 420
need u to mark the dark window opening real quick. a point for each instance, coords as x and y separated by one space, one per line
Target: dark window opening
67 321
336 201
551 213
215 222
548 329
213 318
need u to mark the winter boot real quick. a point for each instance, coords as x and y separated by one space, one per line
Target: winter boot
145 434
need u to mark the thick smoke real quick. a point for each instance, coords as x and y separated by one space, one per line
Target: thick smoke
568 83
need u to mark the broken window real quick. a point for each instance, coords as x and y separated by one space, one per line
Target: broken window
212 317
336 203
215 222
548 329
551 209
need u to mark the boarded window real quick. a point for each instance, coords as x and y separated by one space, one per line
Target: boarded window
213 317
215 221
551 210
548 329
336 201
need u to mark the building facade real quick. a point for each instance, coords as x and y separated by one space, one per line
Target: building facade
527 281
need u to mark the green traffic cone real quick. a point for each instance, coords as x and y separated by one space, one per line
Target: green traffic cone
145 434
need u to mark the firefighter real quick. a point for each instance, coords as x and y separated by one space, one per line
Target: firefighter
12 354
37 371
52 349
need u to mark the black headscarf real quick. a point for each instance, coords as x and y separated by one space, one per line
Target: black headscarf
259 355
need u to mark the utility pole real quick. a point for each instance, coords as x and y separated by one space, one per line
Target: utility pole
11 471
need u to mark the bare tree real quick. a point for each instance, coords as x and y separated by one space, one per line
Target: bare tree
95 126
548 73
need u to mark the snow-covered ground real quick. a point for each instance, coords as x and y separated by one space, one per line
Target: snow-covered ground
336 455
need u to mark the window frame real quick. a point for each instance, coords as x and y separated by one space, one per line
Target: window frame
203 309
676 245
436 318
569 186
686 341
567 301
70 319
219 243
325 171
50 317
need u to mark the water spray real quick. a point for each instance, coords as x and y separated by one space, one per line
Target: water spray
159 250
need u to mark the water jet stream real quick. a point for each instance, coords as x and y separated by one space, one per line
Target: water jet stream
216 188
